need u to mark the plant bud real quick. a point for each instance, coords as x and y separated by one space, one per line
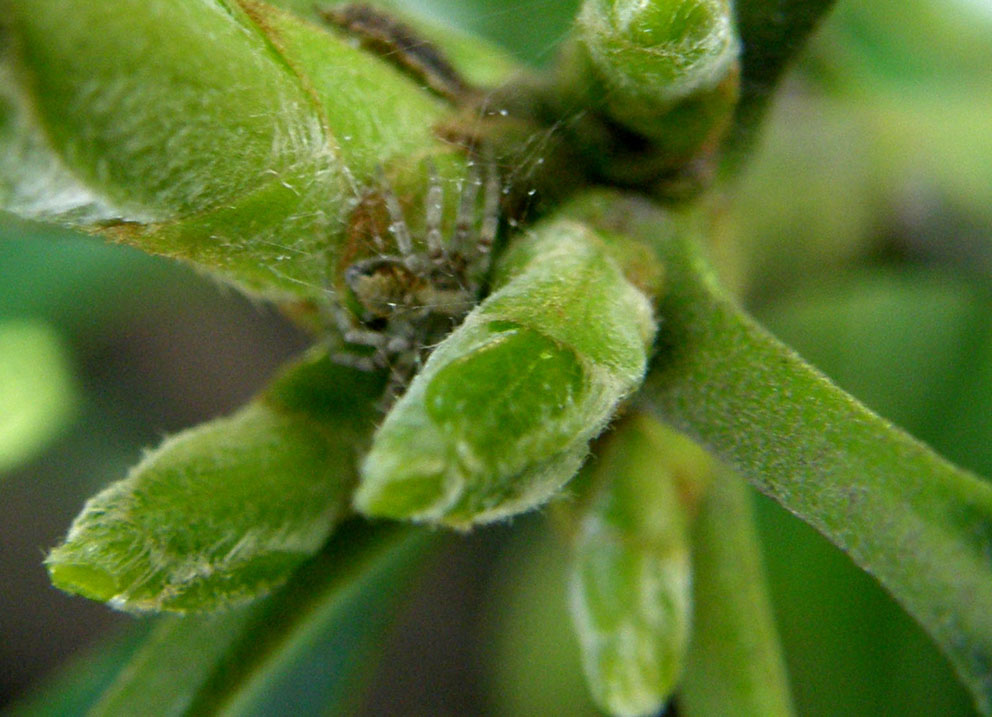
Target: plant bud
663 69
224 512
630 588
660 51
501 414
240 148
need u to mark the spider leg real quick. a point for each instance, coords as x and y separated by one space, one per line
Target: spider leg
402 357
413 294
361 363
490 212
343 321
398 226
367 337
433 212
464 220
401 45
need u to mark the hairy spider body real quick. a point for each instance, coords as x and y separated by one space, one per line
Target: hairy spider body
416 268
418 252
383 284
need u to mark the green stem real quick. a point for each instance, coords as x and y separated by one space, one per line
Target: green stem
734 665
920 525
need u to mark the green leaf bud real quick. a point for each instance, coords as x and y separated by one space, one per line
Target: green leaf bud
664 70
630 587
501 414
224 512
240 148
659 51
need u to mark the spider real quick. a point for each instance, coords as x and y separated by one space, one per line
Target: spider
408 300
408 296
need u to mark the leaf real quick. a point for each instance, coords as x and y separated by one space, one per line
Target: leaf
222 513
734 665
863 654
921 526
501 414
77 685
37 391
772 32
158 127
170 668
240 662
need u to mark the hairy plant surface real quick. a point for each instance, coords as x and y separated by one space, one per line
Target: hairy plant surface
511 277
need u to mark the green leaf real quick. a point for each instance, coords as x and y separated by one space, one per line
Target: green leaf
36 390
222 513
500 416
734 665
772 32
172 665
863 654
248 660
111 110
630 581
921 526
77 684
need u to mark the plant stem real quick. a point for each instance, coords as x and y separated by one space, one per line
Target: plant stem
734 665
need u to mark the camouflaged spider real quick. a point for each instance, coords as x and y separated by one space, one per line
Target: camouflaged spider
406 297
409 300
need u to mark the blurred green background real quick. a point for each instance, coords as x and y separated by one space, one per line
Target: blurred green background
861 235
